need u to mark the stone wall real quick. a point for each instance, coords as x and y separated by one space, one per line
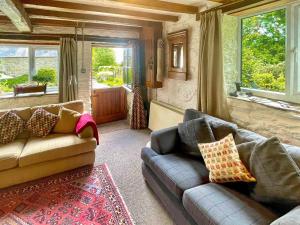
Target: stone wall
266 121
19 102
182 94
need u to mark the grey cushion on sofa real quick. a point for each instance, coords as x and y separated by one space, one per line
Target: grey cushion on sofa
243 136
191 114
178 172
245 150
294 151
221 128
277 175
291 218
217 205
194 132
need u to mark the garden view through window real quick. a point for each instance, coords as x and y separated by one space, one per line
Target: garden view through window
112 67
23 65
264 51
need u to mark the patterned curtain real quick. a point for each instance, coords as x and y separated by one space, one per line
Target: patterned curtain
138 114
138 117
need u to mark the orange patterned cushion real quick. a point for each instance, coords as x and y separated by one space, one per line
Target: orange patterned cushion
41 123
11 125
223 162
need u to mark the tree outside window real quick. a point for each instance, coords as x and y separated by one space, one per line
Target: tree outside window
264 51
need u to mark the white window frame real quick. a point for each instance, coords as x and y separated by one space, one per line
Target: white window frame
31 57
292 72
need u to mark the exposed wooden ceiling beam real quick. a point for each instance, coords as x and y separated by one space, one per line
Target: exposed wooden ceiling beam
68 23
56 37
239 5
100 9
15 11
89 17
4 19
161 5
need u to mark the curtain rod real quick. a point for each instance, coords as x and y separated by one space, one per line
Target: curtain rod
56 37
237 5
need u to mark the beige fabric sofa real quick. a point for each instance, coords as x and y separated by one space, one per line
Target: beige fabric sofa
29 158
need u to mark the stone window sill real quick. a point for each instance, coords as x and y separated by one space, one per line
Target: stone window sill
11 96
281 105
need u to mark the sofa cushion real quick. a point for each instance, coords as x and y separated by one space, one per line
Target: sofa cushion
66 122
10 153
223 162
178 172
243 136
294 151
218 205
192 114
278 176
193 132
41 123
291 218
245 150
24 113
54 108
11 125
54 146
221 128
87 132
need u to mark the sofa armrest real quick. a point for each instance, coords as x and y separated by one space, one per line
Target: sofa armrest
165 141
291 218
86 132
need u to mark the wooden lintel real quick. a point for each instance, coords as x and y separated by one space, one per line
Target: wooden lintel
15 11
67 23
90 17
56 37
86 8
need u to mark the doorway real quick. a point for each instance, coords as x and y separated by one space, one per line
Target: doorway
111 71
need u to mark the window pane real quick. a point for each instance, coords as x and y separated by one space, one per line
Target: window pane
14 67
127 67
107 64
263 51
46 67
298 51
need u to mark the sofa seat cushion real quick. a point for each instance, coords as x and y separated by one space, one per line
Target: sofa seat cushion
215 204
10 153
178 172
54 146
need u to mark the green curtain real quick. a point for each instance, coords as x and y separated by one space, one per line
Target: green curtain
68 79
212 97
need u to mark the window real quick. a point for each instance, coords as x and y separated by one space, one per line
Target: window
112 67
127 68
268 54
19 64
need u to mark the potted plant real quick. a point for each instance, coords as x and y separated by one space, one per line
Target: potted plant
42 78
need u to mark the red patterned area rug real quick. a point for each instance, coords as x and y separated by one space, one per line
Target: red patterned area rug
87 195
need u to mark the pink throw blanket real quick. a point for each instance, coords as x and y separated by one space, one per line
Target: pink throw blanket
84 121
